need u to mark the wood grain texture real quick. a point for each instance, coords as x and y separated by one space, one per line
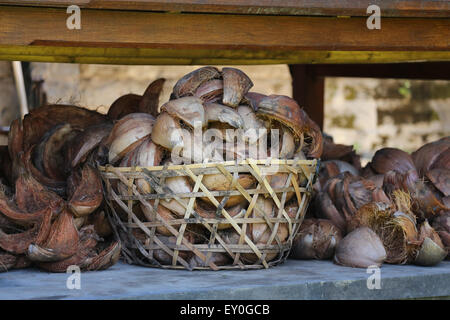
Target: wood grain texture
389 8
146 56
110 36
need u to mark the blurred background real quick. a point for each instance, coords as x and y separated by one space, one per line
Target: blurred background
364 112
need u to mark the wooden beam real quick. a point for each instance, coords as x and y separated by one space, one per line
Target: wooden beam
308 90
418 70
389 8
110 36
62 52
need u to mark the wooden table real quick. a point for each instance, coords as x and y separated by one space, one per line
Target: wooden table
200 32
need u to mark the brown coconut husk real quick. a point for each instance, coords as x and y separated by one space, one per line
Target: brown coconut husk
394 224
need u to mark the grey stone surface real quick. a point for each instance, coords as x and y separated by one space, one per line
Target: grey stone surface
292 280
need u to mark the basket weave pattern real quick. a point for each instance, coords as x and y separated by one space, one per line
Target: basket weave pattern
127 223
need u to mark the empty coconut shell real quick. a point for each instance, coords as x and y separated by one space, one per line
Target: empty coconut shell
440 179
85 142
218 182
167 132
316 239
387 159
188 109
127 134
150 99
210 91
219 113
218 258
425 156
62 241
288 112
40 120
88 240
18 243
432 250
100 222
190 82
124 105
442 226
177 185
86 193
235 85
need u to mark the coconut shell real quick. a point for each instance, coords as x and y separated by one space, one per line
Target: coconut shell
88 240
62 241
85 142
361 248
87 194
387 159
124 105
219 113
425 156
317 239
236 84
327 210
100 222
127 134
432 250
188 109
190 82
441 225
18 243
218 182
218 258
106 258
32 196
163 257
164 214
253 99
150 99
210 91
341 152
40 120
440 179
285 110
167 132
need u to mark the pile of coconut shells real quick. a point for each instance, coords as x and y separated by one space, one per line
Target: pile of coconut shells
209 100
394 210
51 195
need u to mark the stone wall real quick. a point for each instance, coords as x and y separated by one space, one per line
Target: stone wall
366 113
370 113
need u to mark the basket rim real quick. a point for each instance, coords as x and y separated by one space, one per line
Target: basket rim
248 161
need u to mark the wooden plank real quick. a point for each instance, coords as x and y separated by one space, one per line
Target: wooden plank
159 38
60 53
190 31
389 8
418 70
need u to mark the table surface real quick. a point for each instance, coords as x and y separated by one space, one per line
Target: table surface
293 280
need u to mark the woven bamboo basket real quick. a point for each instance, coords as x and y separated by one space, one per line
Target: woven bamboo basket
142 243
